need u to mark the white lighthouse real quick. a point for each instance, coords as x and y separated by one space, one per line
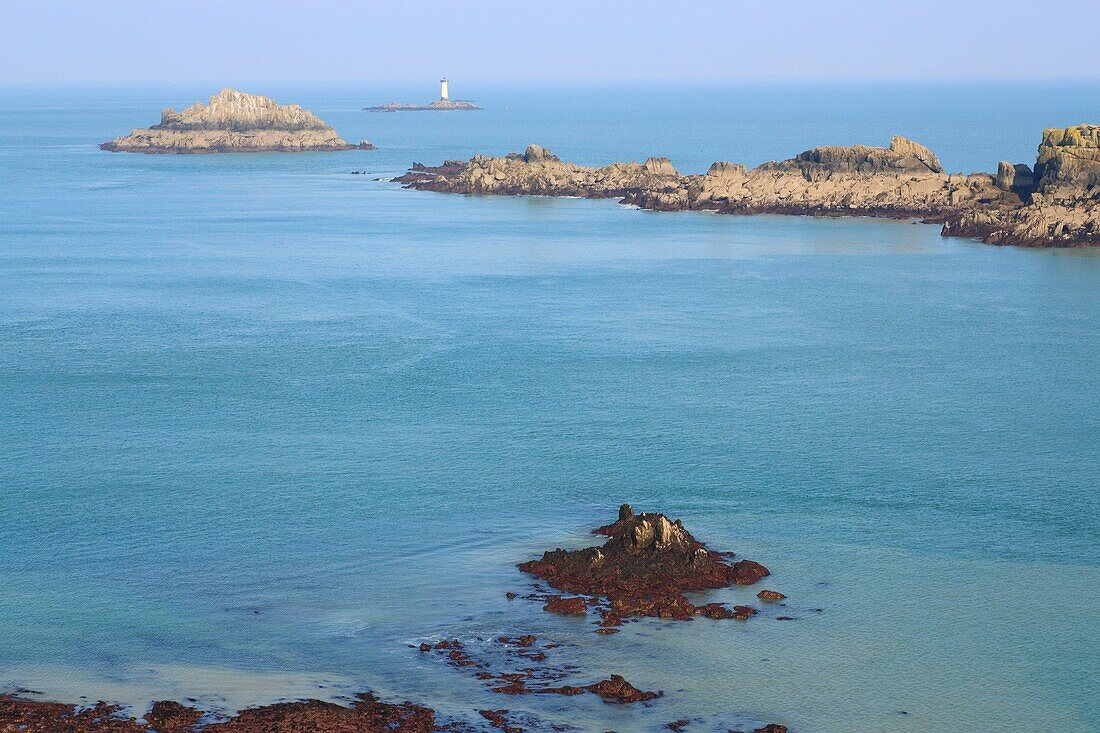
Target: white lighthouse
444 94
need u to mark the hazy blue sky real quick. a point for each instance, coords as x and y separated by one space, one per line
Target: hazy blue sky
302 40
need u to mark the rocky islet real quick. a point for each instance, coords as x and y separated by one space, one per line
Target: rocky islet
644 569
235 122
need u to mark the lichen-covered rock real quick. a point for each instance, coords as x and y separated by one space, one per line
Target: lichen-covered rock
234 122
1070 155
1062 207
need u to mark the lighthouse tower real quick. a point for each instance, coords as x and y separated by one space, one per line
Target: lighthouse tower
444 95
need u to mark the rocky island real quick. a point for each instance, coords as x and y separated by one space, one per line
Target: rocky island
234 122
1056 203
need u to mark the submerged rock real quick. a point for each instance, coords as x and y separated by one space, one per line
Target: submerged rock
559 604
234 122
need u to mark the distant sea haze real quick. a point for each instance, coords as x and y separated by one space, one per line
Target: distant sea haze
264 423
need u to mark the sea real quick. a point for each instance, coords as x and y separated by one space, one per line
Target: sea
267 420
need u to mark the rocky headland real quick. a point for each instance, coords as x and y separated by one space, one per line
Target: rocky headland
1055 203
234 122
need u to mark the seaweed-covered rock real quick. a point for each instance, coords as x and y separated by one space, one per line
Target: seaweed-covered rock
644 568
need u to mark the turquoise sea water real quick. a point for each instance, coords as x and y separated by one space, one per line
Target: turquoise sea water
264 422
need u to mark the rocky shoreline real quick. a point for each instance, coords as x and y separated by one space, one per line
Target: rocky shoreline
1055 203
645 566
234 122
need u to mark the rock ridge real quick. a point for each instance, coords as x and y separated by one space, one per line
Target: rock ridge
1056 204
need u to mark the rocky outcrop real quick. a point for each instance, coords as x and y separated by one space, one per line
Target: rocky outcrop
1069 156
644 569
903 180
1062 196
1054 206
234 122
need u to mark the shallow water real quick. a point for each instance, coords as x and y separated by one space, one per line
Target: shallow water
263 422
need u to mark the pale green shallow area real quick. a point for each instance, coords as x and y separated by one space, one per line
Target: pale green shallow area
263 423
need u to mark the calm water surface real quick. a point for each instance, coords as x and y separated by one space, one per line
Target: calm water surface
264 422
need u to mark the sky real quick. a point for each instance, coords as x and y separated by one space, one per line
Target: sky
159 41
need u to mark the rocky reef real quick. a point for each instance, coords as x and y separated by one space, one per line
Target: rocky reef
439 105
644 569
234 122
1053 205
366 715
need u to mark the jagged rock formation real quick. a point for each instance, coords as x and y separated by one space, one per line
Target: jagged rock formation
1063 196
234 122
1057 206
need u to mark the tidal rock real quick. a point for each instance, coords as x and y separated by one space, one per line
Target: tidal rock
168 716
234 122
747 572
619 690
770 595
569 606
643 569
